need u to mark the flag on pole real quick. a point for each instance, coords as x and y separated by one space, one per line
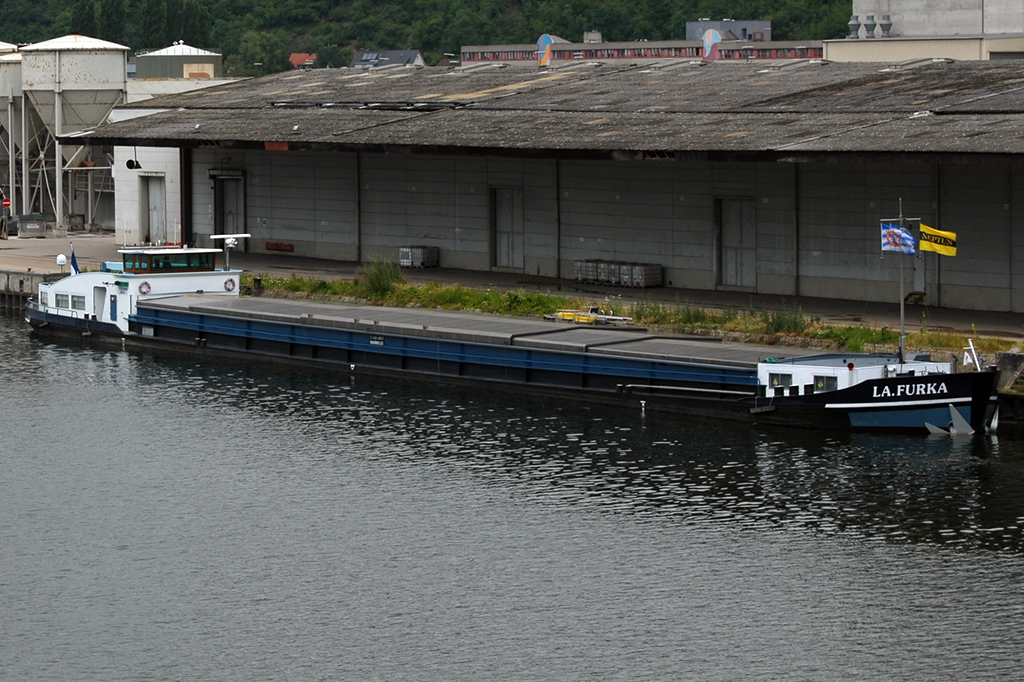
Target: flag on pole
898 239
74 263
938 241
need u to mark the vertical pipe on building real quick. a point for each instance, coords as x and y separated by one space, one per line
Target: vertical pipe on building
24 155
58 103
796 229
10 151
1009 229
185 199
558 220
359 208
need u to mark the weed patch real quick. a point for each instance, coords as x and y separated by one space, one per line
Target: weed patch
383 283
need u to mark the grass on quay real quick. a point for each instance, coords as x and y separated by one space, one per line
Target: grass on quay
382 283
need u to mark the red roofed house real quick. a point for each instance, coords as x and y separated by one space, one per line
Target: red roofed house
302 60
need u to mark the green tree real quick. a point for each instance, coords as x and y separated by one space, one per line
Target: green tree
83 18
196 24
330 56
174 21
262 52
151 28
110 22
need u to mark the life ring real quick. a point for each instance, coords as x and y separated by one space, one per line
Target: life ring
144 288
229 284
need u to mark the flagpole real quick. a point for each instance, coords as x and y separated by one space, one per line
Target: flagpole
902 302
903 325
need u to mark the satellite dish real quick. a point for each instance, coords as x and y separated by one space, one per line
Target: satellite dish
62 260
130 163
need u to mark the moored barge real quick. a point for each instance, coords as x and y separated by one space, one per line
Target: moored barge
179 297
698 376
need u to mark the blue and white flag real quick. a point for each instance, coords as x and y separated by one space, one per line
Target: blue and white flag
898 239
74 263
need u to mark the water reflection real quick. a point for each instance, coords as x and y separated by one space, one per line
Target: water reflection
964 493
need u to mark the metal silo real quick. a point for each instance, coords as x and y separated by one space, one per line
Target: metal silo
72 83
10 119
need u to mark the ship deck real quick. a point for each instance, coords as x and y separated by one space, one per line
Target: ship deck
493 330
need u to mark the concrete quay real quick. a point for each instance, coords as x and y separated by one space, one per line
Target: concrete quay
38 256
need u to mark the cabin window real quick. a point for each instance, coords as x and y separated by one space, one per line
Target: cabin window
825 383
135 262
170 261
61 301
44 298
78 302
780 380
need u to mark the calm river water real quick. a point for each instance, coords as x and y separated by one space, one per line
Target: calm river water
164 518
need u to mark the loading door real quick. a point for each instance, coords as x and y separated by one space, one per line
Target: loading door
153 210
507 221
738 248
229 205
157 209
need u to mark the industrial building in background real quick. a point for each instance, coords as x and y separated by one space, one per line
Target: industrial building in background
179 61
369 59
900 30
706 40
768 177
147 180
48 91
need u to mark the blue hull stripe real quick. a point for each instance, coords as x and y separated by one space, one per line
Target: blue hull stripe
450 351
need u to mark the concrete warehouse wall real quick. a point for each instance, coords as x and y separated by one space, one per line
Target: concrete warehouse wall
130 192
675 213
308 200
446 202
943 17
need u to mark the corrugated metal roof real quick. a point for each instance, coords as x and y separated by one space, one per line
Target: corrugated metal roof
774 108
140 90
180 50
73 41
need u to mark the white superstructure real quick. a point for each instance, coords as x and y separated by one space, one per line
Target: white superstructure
104 301
834 372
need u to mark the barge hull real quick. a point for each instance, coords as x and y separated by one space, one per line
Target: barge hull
700 377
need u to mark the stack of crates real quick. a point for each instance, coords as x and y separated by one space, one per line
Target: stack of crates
616 273
608 272
585 271
418 256
645 275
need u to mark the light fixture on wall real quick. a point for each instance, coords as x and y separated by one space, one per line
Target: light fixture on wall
133 164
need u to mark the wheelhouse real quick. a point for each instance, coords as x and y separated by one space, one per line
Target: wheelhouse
145 261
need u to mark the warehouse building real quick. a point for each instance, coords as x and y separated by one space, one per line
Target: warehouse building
768 178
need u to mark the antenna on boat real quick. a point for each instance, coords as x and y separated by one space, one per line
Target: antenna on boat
896 237
230 242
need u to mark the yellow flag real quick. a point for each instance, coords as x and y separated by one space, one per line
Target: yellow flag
937 241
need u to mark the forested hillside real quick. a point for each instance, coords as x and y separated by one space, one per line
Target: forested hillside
264 32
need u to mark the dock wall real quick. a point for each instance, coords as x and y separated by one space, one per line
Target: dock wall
17 287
